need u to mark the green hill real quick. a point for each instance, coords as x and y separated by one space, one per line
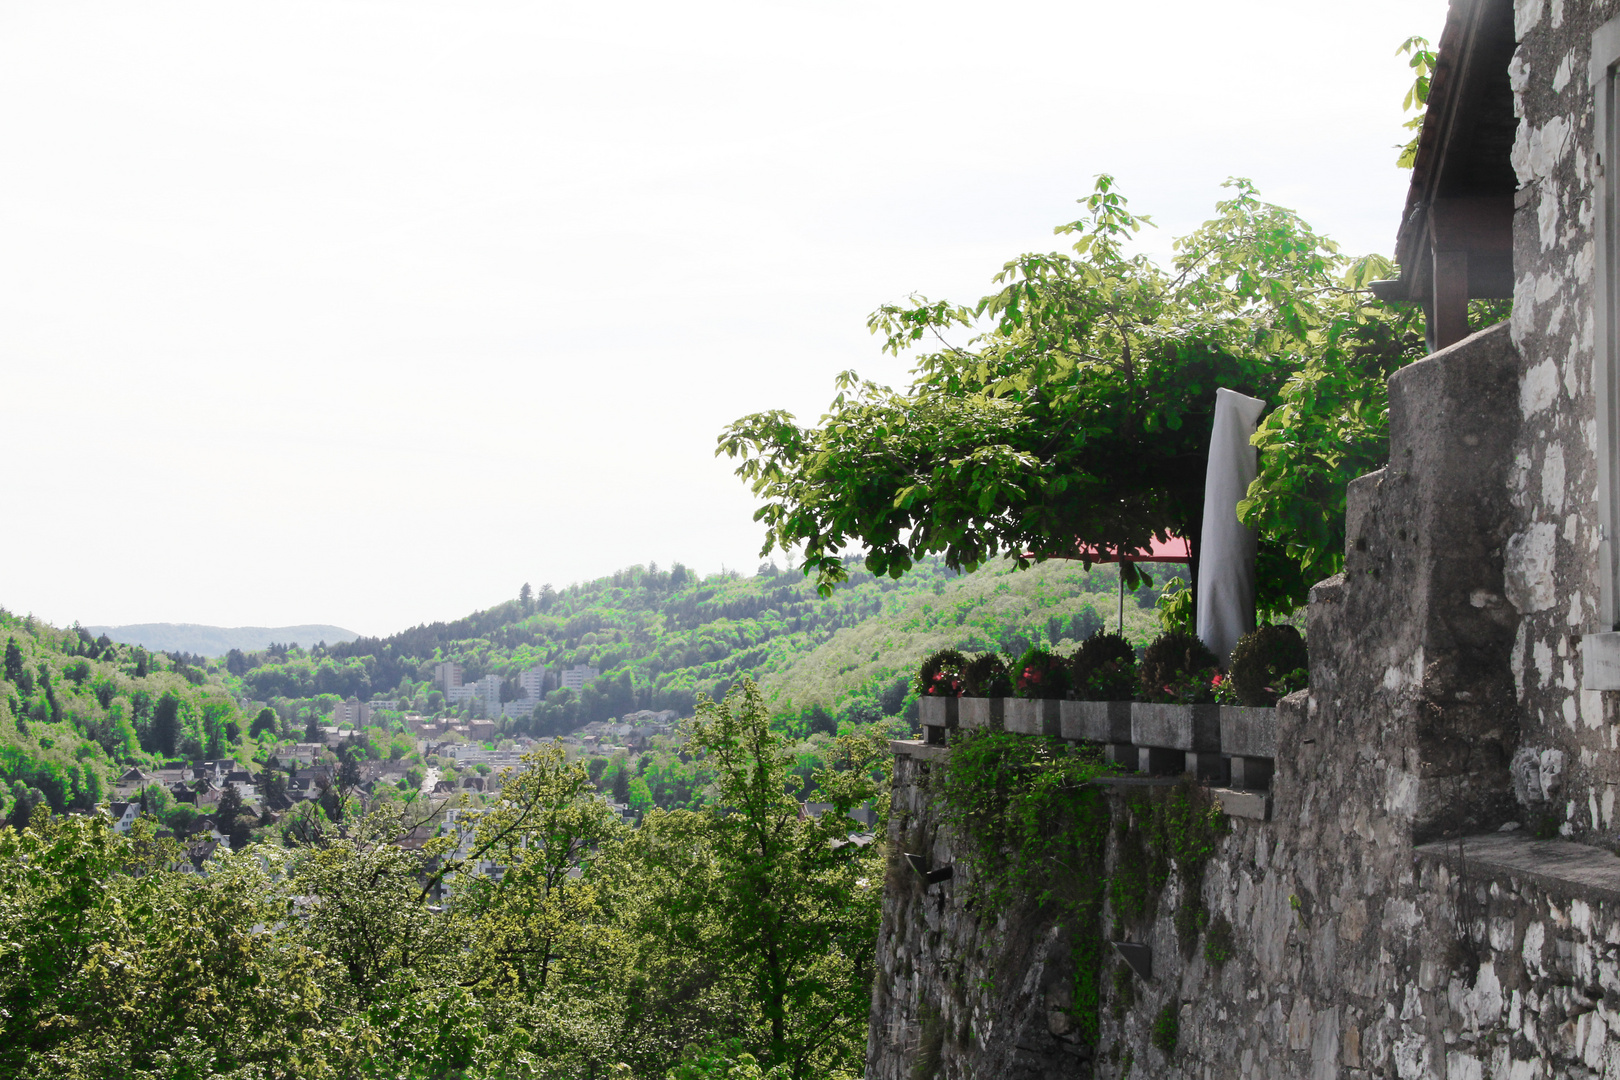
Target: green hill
75 710
660 638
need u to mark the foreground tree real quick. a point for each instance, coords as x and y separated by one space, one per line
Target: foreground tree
758 920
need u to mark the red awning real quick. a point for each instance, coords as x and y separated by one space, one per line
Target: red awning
1176 549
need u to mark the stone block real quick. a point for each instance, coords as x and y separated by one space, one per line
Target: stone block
1253 805
979 713
1250 732
1031 716
1096 721
1176 727
937 712
919 750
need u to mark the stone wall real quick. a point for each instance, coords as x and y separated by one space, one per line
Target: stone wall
1396 917
1355 951
1552 556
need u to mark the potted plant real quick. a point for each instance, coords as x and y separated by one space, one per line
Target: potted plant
1177 723
1267 663
938 685
1040 681
1102 678
985 682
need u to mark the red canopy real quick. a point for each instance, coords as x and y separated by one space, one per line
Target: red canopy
1176 549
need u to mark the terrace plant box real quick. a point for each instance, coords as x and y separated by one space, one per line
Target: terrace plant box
1249 738
980 713
1096 721
1193 728
1172 739
1248 732
937 711
1032 716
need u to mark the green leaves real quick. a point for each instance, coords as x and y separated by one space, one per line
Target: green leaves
1080 411
1417 98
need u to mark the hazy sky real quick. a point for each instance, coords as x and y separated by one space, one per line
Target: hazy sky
368 313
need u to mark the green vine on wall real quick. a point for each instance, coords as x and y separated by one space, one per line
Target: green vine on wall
1038 831
1035 828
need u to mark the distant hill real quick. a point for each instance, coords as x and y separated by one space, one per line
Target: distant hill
219 640
659 638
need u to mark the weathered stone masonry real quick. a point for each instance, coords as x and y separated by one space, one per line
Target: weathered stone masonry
1385 923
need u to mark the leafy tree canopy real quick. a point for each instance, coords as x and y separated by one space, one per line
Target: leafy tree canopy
1080 407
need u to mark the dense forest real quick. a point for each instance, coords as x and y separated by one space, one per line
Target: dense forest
74 709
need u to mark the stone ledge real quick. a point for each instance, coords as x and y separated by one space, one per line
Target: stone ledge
1254 805
1571 871
920 750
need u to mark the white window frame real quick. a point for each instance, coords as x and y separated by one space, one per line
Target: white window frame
1604 78
1600 652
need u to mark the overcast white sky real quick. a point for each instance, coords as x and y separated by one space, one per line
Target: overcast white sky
367 313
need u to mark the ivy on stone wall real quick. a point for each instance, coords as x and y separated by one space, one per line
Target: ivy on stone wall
1037 829
1034 827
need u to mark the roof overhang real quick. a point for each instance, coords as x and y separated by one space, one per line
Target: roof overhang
1456 235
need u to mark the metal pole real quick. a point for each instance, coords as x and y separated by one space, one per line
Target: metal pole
1121 601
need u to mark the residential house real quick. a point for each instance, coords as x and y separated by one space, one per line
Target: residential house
123 815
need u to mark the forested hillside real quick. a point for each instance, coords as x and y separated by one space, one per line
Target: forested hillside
74 708
662 637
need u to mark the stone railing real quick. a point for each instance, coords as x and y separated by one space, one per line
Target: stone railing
1223 746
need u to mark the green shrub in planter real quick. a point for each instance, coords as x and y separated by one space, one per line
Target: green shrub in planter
1178 669
986 676
941 675
1267 663
1041 674
1104 668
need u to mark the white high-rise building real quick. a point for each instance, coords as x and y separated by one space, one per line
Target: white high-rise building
577 676
447 675
489 692
533 682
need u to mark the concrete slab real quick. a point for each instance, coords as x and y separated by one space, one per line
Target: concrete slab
1254 805
1571 871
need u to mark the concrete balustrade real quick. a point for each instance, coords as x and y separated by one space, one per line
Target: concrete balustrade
980 713
1249 739
1222 745
1032 716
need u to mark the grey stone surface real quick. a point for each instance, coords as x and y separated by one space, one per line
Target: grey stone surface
1253 805
1096 721
1355 954
1561 869
1250 732
937 711
920 750
1031 716
1176 727
972 712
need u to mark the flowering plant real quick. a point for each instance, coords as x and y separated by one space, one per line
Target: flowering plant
1104 668
1178 669
1201 687
941 675
1039 674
